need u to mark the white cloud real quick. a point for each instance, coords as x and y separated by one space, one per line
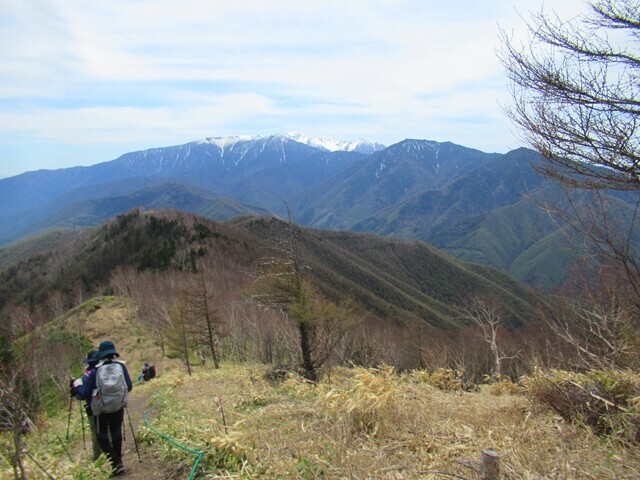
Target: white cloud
160 70
127 124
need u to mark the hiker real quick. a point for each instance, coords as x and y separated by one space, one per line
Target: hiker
151 372
77 390
107 389
148 372
143 373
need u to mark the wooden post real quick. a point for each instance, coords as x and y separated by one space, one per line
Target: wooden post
490 465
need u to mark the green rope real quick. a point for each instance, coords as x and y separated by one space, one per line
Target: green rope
199 453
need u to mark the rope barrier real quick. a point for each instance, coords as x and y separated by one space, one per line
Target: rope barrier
199 453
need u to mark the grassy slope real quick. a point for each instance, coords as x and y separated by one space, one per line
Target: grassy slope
360 424
368 424
355 424
110 318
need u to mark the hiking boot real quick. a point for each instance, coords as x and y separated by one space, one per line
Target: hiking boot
118 470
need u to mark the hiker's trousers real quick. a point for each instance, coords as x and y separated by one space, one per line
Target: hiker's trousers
110 424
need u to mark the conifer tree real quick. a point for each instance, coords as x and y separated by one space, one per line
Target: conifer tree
282 285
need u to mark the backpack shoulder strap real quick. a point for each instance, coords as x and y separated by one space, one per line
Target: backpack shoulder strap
97 370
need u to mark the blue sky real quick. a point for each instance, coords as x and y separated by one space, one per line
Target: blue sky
82 82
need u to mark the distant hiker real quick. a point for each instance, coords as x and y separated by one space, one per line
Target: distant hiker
151 372
77 390
142 374
107 389
148 372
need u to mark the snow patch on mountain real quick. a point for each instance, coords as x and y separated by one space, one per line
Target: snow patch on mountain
324 143
333 145
222 142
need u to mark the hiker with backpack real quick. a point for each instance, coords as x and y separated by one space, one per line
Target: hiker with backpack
77 390
148 372
107 389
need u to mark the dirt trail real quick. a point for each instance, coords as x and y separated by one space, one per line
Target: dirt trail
150 466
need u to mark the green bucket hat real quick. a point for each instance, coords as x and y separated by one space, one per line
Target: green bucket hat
105 349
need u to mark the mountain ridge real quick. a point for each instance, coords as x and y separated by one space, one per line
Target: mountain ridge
202 164
394 279
449 195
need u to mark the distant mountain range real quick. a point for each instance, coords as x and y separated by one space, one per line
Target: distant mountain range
474 205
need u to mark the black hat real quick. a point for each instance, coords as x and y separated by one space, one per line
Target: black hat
107 348
92 357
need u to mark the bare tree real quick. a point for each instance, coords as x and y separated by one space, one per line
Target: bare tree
54 303
606 229
152 296
602 338
599 322
486 314
180 334
205 317
576 97
258 333
576 94
20 384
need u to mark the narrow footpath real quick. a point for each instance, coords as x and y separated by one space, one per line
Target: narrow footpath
149 466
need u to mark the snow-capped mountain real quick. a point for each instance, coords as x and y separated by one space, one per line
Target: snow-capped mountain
255 169
324 143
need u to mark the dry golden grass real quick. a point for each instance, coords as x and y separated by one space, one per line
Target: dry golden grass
109 318
372 424
355 424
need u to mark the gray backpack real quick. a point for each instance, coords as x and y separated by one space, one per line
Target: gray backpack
110 394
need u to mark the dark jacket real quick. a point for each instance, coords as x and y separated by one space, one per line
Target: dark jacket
90 384
79 390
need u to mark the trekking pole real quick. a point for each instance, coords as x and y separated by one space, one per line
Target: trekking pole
64 448
84 442
39 466
69 417
135 442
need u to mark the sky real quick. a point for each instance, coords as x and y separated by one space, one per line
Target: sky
83 82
